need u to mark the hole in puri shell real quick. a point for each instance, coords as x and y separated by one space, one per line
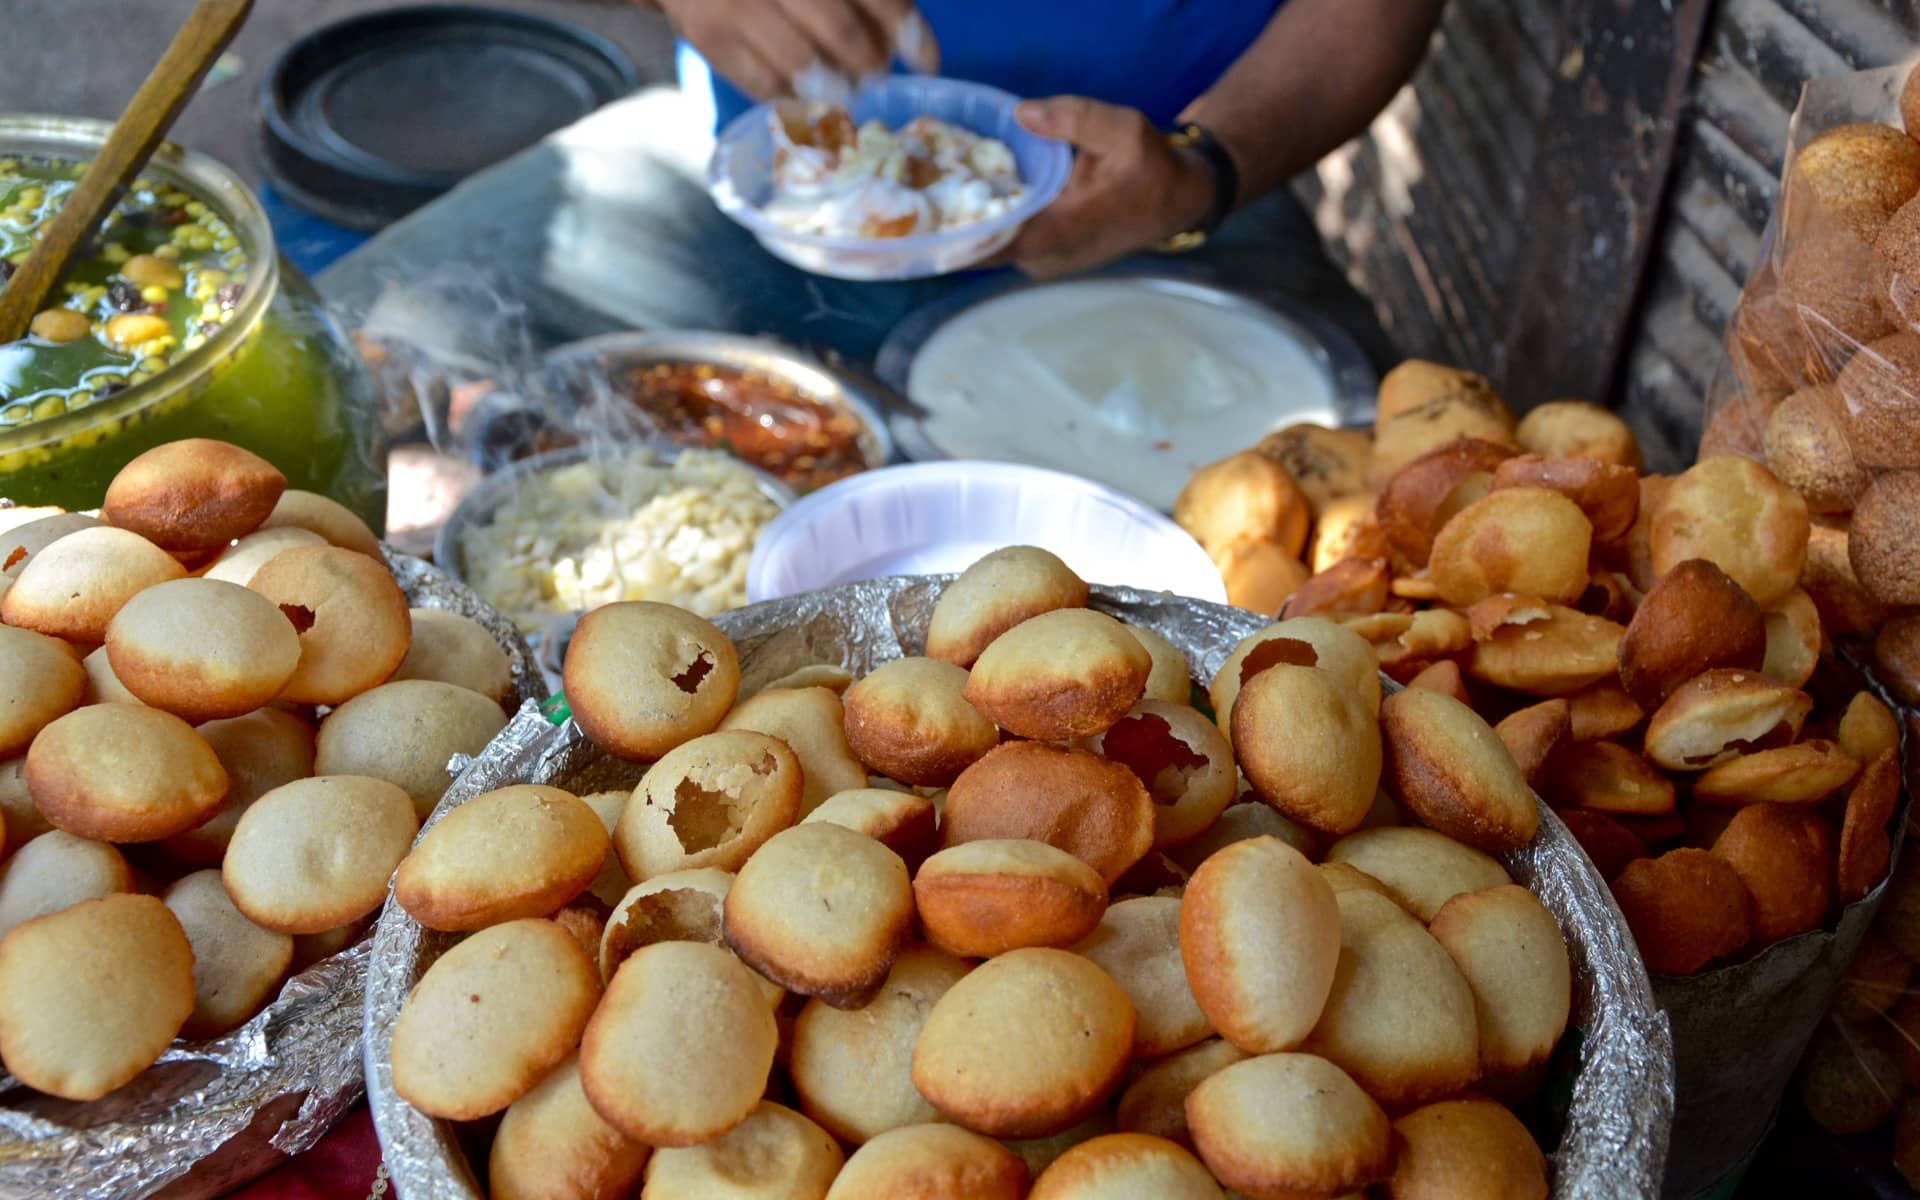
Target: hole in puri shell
301 616
702 818
674 915
1780 735
1146 746
688 680
1272 653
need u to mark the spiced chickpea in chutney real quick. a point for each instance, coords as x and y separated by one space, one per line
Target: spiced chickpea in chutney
161 275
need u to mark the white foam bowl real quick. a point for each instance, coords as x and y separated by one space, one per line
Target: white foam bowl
929 518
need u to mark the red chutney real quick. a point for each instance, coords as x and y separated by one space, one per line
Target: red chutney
766 422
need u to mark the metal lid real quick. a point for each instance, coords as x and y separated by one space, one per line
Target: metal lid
366 119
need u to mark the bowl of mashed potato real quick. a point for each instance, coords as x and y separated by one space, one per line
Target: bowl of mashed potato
916 176
566 532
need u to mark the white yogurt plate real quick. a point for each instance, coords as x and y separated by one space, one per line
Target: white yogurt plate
1134 381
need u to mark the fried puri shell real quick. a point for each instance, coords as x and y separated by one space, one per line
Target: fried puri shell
710 802
1686 908
1025 1045
1609 495
987 897
193 495
996 593
1184 762
1138 943
1533 733
1525 540
1260 937
1785 857
1464 1148
1720 714
1578 429
643 678
1309 746
1094 809
1303 642
1732 511
1864 844
1696 618
1803 773
1607 777
1400 1017
909 720
1423 495
1418 869
1450 768
1243 495
1289 1125
853 1068
1063 674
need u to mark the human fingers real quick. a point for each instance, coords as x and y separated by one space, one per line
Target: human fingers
1087 124
781 46
844 34
907 33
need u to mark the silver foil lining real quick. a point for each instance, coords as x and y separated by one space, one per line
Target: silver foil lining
1614 1137
212 1115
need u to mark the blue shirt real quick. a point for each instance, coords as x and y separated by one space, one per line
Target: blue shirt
1153 55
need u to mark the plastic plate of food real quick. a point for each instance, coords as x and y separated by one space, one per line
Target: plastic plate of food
917 176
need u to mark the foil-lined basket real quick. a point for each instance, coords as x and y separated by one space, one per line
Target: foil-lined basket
210 1116
1612 1131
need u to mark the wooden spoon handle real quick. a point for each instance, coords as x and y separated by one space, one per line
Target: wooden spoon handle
145 121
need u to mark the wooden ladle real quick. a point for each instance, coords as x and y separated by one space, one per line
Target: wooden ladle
141 127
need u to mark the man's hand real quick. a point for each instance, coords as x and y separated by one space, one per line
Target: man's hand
1129 189
761 45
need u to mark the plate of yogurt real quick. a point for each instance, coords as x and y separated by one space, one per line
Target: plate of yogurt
915 176
1135 375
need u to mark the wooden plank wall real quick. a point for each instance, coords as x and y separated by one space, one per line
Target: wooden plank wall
1725 178
1437 213
1423 213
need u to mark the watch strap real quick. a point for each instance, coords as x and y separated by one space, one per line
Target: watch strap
1226 184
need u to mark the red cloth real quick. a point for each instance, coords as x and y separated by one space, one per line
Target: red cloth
340 1167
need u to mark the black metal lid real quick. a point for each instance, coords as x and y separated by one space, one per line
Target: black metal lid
366 119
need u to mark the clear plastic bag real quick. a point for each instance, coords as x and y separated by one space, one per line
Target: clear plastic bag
1821 378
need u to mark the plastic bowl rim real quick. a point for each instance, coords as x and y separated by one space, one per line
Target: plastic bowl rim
910 474
744 211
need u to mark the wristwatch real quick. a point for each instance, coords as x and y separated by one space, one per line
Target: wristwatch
1226 186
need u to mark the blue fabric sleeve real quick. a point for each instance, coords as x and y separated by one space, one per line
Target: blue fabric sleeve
1153 55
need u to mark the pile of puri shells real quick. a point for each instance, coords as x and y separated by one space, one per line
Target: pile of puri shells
999 921
1655 650
220 727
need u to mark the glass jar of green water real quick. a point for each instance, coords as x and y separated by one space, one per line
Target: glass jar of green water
178 320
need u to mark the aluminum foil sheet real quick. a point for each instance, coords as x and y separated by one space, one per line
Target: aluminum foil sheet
1613 1140
210 1116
